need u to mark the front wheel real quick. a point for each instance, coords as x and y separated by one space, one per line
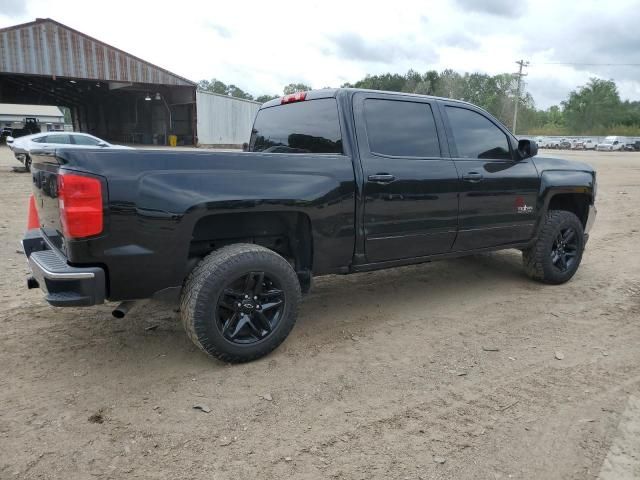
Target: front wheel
555 256
240 302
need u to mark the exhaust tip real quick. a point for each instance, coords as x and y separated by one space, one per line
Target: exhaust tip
121 310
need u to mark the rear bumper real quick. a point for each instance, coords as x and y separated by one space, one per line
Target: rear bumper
62 284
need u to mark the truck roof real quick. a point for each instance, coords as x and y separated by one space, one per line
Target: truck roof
333 92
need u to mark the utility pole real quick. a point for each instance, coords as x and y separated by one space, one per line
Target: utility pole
522 64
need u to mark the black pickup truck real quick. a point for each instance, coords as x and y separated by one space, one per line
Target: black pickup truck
335 181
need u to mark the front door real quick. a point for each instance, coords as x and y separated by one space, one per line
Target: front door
410 183
499 192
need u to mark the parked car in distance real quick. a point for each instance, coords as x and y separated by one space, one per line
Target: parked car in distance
610 144
564 144
632 145
22 146
589 144
362 180
577 144
553 143
542 142
5 133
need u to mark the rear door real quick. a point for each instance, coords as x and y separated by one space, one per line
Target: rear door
498 192
410 183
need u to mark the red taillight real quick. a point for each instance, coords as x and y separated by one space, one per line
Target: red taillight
80 201
33 221
294 97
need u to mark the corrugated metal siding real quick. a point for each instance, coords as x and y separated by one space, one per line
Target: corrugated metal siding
46 47
224 120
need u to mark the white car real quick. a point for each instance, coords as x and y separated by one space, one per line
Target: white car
542 142
23 146
553 143
589 144
610 144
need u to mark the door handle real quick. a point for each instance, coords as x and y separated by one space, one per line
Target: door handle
472 177
381 178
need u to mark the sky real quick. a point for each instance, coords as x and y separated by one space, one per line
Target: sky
260 46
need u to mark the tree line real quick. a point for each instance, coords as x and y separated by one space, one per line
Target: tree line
592 109
216 86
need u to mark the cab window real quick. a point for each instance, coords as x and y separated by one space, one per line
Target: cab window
401 129
475 136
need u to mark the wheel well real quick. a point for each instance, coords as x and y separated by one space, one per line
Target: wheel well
286 233
577 203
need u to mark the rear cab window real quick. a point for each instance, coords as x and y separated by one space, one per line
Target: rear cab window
309 126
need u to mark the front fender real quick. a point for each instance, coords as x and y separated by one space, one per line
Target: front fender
555 182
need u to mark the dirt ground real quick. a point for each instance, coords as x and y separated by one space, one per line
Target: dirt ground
439 371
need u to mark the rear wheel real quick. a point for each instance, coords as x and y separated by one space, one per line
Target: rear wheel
556 255
240 302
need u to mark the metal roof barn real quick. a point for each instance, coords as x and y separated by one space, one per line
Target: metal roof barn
46 47
111 93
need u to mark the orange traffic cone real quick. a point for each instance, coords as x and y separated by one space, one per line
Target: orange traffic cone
33 220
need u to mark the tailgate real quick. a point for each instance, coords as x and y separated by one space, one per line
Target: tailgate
44 174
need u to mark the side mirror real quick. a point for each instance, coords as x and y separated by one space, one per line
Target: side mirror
527 149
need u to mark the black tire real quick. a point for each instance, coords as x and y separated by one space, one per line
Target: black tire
27 163
208 304
561 237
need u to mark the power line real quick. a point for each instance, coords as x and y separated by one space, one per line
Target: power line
589 64
522 64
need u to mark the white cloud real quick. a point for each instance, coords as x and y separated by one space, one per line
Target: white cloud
261 46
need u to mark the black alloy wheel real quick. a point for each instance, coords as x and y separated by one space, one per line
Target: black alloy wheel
565 249
555 256
240 302
249 308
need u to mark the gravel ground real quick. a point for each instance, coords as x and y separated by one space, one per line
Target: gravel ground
438 371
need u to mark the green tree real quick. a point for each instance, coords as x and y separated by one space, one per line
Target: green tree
216 86
295 87
391 82
265 98
213 86
596 104
238 92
